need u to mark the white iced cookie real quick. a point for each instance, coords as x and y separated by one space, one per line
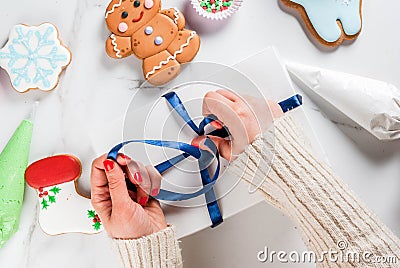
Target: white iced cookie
62 209
34 57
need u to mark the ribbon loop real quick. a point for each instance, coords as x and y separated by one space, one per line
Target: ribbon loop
204 157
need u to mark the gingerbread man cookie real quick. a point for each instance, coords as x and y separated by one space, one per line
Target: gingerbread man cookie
330 21
156 36
62 209
34 57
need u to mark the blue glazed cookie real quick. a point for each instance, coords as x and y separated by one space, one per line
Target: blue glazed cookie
330 21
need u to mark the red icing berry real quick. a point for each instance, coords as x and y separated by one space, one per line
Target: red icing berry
41 189
40 195
214 11
94 220
46 193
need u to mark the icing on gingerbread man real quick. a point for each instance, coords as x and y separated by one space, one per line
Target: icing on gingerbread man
156 36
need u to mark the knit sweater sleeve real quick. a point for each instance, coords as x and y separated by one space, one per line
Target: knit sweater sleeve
160 249
327 213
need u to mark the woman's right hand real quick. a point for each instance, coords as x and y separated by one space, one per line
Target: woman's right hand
245 117
126 214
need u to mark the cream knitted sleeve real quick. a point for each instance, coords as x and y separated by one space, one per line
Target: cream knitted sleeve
160 249
325 210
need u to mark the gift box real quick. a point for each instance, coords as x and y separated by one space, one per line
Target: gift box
150 117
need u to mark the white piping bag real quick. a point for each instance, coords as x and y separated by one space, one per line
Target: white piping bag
373 104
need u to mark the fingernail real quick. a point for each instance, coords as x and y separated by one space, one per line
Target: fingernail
108 165
137 176
216 124
154 192
143 201
196 143
125 157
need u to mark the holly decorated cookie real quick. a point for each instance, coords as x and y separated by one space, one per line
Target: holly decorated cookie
330 21
61 208
158 37
34 57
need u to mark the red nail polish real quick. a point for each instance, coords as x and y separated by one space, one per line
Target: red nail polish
125 157
154 192
138 177
195 143
143 201
216 124
108 165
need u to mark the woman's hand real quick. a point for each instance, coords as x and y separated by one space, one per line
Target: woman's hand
246 117
125 214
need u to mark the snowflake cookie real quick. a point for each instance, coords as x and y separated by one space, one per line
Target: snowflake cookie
330 21
34 57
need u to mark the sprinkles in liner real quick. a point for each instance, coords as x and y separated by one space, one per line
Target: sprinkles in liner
214 6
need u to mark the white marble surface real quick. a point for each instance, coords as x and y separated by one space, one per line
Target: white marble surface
370 167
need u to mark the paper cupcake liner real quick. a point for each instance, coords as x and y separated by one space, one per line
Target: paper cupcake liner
204 21
220 15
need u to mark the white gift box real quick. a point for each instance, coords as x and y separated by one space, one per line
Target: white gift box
150 117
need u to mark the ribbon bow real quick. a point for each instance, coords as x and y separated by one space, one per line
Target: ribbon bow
204 157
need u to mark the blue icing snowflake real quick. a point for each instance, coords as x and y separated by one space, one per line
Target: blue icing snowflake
34 57
324 14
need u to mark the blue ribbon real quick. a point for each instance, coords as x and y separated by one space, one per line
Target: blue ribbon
204 157
291 103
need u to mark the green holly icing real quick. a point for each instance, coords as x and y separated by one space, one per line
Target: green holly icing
47 198
97 225
55 190
91 214
44 204
52 199
214 6
95 218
